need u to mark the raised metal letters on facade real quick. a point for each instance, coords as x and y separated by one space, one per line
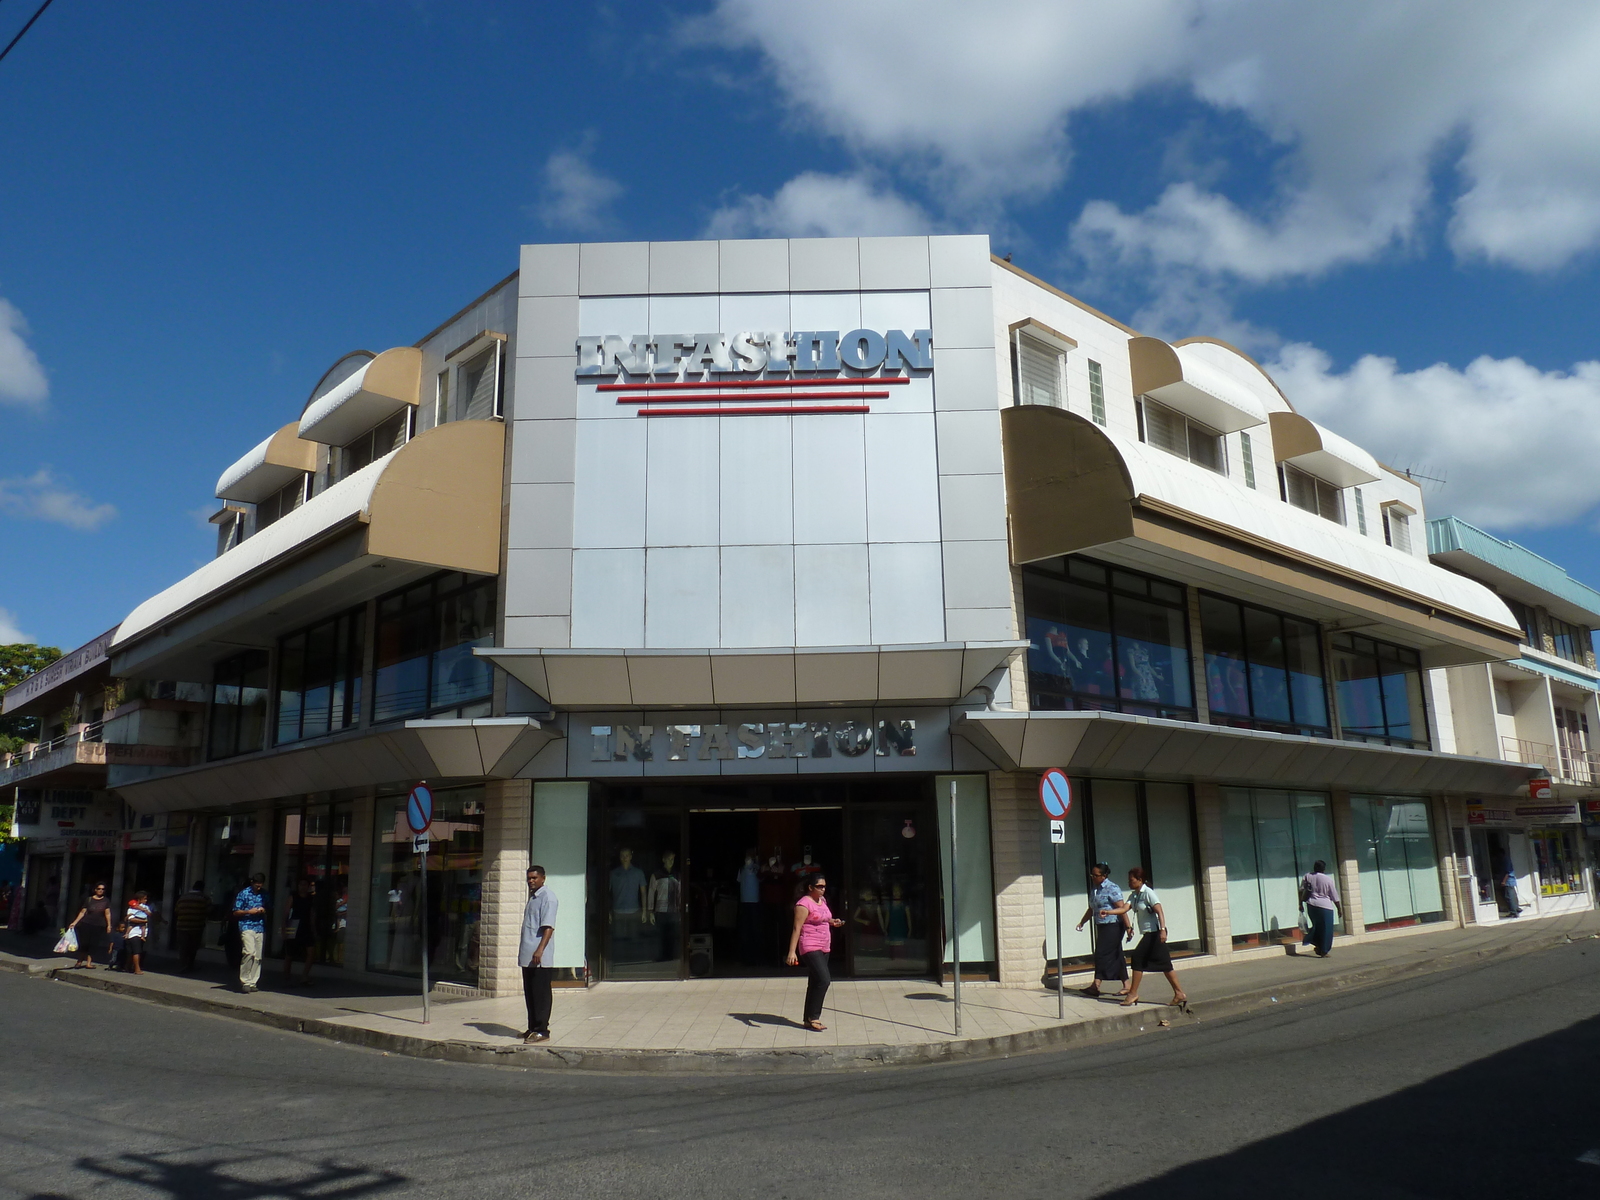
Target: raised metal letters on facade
754 351
769 739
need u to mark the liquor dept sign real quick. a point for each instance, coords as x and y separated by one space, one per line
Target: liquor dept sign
760 372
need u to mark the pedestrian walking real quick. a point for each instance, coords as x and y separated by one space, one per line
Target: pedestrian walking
1319 896
810 942
1151 953
1104 897
1508 884
137 933
300 933
93 926
189 919
533 955
250 913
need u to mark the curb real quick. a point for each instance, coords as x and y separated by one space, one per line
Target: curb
799 1059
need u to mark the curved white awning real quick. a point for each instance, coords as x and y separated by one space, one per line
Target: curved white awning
277 461
388 384
1303 442
1183 380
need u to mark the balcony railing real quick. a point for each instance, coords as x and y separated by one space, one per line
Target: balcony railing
90 732
1566 763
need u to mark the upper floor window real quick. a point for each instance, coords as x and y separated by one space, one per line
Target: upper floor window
1263 669
281 503
1567 641
1397 528
470 389
1304 490
319 678
1097 393
1529 622
374 444
1175 433
423 651
238 705
1039 371
1378 688
1105 638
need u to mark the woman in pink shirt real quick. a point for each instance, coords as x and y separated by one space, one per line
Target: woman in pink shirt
809 943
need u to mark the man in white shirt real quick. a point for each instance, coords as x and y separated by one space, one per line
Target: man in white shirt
533 955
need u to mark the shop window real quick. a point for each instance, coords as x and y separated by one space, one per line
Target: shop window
281 503
319 678
1038 378
1399 868
1108 639
230 849
1378 689
314 849
1097 393
1124 824
1558 860
423 654
374 444
454 896
1270 839
1304 490
1175 433
1263 669
238 705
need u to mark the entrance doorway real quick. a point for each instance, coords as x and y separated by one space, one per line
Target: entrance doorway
701 881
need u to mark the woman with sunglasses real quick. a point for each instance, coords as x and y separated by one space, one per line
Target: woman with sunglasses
93 924
809 942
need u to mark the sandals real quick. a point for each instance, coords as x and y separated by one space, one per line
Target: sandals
1179 1002
1129 1002
815 1026
1092 992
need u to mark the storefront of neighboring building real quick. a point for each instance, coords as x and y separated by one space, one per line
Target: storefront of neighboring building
690 571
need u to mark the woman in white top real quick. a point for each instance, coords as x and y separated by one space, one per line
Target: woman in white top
1151 954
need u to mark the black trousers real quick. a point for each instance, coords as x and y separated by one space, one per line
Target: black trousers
536 991
817 981
1108 960
188 947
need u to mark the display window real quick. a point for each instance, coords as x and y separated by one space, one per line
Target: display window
1270 840
1558 859
1399 866
314 847
453 901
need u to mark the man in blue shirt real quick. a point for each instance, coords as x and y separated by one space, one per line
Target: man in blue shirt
1104 897
250 913
534 955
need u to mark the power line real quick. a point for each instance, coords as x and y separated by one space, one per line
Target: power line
13 43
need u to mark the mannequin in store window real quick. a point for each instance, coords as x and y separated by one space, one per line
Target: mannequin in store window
627 899
749 879
803 872
665 905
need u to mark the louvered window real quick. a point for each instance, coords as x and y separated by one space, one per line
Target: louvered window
1176 434
1304 490
1397 530
1038 372
1097 393
1247 454
477 394
1361 512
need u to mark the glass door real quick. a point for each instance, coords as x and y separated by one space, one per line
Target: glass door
888 909
643 893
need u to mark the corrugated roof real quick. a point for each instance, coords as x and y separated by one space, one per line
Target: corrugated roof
1451 537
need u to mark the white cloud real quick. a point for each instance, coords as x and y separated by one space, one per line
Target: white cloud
816 205
41 497
22 379
573 195
1519 445
10 635
1369 102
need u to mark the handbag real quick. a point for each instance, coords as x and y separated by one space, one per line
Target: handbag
69 941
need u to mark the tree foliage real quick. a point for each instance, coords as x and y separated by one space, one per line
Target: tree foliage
17 662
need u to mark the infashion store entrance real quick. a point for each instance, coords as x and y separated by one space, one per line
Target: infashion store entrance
700 881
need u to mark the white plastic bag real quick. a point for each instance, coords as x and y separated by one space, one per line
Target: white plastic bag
69 941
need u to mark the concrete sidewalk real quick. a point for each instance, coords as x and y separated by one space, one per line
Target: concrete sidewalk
752 1024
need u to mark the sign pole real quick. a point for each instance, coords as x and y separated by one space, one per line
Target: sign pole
1055 797
426 1015
419 816
955 912
1061 983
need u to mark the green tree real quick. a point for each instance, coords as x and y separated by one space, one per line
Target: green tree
17 662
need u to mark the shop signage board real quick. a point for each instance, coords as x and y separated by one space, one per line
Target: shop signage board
1539 788
1055 797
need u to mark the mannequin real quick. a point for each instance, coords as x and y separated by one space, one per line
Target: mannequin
627 902
666 903
749 878
897 922
803 871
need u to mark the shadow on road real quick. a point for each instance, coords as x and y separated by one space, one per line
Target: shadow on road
265 1177
1516 1122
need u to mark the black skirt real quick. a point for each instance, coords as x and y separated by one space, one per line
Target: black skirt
1108 962
92 940
1151 954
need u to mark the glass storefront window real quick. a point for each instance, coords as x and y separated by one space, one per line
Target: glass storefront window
1557 859
1399 868
1378 688
455 888
1263 669
229 850
425 637
238 705
1108 639
1270 839
314 845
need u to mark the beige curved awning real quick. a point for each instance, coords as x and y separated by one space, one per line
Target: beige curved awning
1192 386
1303 442
276 462
388 384
1072 486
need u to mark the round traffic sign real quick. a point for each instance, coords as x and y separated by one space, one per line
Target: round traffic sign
419 808
1055 793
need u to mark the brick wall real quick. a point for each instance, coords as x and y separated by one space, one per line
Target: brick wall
1213 868
507 826
1019 904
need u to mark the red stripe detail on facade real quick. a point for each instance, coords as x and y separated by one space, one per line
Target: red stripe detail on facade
772 399
752 412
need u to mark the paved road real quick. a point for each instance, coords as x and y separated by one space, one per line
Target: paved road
1479 1082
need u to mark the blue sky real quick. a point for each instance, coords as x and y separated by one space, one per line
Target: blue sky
202 206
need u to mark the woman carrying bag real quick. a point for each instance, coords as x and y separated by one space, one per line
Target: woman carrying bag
1319 896
93 927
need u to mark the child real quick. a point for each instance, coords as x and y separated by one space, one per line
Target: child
133 942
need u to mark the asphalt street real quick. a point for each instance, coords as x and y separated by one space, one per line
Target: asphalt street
1477 1082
